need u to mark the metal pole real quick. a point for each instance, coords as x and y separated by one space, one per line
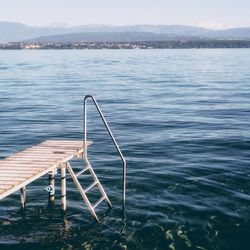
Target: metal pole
63 187
52 187
112 137
85 128
22 197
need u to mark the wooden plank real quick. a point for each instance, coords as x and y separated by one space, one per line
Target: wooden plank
22 170
51 155
30 174
4 187
23 164
8 183
12 183
7 161
16 164
38 157
54 144
41 152
63 141
21 174
66 145
51 150
14 157
25 159
51 147
27 168
18 167
9 178
34 160
71 144
54 151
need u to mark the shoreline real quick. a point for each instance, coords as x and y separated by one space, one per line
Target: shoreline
203 44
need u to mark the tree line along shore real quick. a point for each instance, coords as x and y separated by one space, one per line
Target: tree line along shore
213 44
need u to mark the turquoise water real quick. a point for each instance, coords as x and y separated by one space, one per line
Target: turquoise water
182 120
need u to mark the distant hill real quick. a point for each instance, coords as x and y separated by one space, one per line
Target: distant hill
11 32
14 32
109 37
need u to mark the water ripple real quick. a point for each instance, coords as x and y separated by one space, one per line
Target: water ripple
182 120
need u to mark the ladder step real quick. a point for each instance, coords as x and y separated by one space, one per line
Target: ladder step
99 201
90 186
82 171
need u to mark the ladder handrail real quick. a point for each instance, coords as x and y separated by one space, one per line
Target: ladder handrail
111 135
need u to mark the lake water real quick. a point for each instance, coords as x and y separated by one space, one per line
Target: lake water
182 119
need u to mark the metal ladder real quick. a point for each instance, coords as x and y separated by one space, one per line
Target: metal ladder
89 168
84 191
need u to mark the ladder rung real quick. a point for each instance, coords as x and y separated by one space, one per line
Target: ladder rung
99 201
82 171
90 186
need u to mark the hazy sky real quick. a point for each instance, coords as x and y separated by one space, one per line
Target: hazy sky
206 13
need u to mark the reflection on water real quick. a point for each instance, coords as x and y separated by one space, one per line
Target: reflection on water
182 120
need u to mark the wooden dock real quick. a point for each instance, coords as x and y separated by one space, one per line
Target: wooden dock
22 168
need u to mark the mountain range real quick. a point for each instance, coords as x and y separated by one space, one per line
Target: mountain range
16 32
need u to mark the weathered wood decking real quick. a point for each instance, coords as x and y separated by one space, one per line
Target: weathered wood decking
20 169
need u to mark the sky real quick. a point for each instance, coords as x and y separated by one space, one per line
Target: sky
215 14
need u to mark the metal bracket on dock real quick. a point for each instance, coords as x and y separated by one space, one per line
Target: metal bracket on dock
53 172
50 189
80 155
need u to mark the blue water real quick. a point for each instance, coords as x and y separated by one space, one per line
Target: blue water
182 119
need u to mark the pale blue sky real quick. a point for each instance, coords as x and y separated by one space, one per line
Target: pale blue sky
207 13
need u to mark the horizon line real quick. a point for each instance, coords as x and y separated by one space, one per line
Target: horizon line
66 25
